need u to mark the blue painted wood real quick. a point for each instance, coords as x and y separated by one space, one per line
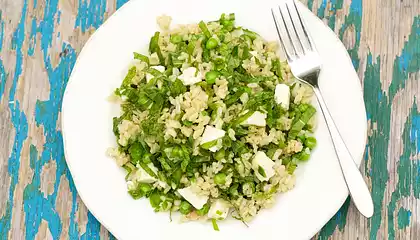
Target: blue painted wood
50 34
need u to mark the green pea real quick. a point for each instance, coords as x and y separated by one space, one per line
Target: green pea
155 200
204 210
185 207
310 142
304 156
211 76
212 43
176 38
144 188
220 154
220 178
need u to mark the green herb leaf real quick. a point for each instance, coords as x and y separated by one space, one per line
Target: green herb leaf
303 120
136 152
147 169
154 47
129 77
243 118
177 88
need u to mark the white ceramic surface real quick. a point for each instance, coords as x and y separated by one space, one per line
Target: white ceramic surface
87 127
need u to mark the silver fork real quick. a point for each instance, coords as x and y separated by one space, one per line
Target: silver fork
305 65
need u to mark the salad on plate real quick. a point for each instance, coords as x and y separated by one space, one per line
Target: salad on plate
212 122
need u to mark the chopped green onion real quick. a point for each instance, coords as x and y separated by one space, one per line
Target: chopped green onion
187 123
141 57
220 155
165 165
147 158
244 117
154 72
209 145
147 169
215 226
204 29
310 142
154 47
185 207
191 47
252 35
204 210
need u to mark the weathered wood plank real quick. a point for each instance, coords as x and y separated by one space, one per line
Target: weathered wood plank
39 42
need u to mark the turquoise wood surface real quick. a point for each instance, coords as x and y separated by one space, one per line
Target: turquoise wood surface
39 44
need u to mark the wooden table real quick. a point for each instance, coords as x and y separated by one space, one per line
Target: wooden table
39 43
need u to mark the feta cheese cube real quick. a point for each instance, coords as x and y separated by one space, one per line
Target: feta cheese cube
256 119
142 176
282 95
211 134
190 76
150 76
219 210
196 200
263 166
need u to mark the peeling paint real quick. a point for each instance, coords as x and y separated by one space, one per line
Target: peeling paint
39 31
48 178
90 14
404 216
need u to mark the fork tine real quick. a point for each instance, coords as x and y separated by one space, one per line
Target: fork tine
283 17
295 26
289 54
303 26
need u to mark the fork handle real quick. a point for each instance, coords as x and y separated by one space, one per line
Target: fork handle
358 189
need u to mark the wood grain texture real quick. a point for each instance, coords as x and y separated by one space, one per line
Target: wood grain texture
39 43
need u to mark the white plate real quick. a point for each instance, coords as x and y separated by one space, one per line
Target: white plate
87 127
